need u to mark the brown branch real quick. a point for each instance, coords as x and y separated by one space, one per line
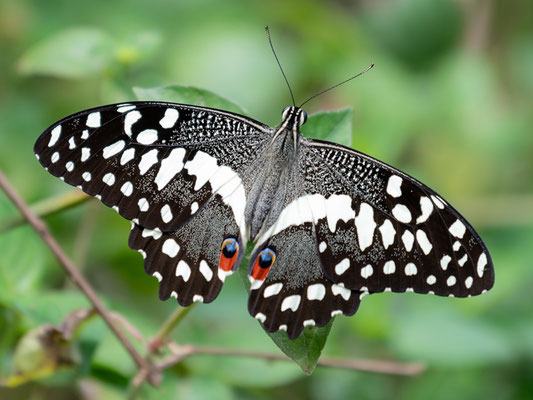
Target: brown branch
48 207
382 367
42 230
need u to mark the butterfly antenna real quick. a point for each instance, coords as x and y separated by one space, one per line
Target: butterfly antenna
338 84
279 64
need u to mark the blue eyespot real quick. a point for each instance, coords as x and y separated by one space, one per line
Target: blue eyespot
266 258
230 247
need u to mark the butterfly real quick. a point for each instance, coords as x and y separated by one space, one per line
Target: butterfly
330 224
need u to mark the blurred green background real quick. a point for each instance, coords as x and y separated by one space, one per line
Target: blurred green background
449 101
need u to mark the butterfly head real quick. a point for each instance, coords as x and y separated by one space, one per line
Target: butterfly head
293 117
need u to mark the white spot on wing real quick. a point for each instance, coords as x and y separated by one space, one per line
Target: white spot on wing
55 157
410 269
316 291
365 226
394 186
93 120
158 276
127 156
408 239
183 270
260 317
309 322
170 118
401 213
147 136
127 189
423 241
206 271
71 143
197 298
387 233
166 214
143 204
69 166
85 134
194 207
342 266
86 176
426 206
444 261
389 267
481 264
431 280
129 120
272 290
109 179
291 302
340 290
113 149
170 166
147 161
155 233
451 280
457 229
367 271
468 282
170 248
85 154
462 260
54 135
322 247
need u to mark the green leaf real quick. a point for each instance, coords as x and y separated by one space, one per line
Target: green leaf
335 126
187 95
22 259
71 53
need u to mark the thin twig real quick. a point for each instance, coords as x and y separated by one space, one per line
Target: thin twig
42 230
48 207
160 337
383 367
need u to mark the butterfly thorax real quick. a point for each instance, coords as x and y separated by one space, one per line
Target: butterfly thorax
273 169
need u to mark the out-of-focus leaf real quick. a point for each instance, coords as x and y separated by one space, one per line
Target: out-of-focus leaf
447 339
22 259
46 349
187 95
335 126
71 53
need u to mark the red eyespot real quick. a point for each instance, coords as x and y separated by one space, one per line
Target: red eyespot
228 254
263 263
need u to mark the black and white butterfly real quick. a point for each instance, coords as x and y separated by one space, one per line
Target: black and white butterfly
330 224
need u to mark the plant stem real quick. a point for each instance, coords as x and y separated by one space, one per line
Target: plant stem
48 207
176 317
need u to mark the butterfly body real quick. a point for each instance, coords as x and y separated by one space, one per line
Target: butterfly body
330 224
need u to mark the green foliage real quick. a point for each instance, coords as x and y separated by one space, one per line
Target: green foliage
449 101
